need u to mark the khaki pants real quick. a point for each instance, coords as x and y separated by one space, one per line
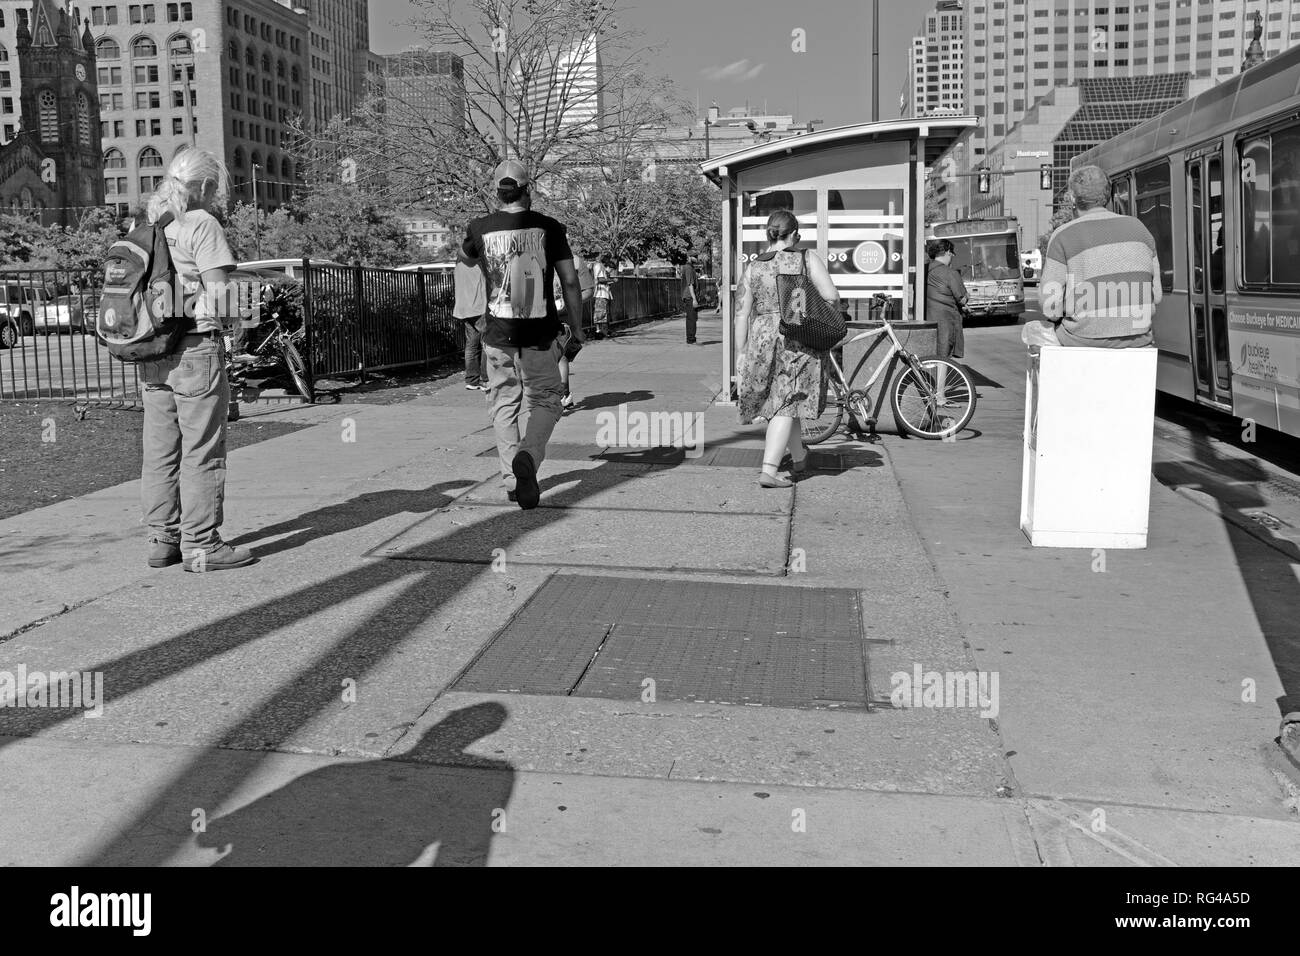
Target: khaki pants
523 382
183 477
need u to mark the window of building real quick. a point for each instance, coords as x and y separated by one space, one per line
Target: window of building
107 49
1154 208
143 47
146 74
48 108
1270 202
83 119
113 159
110 75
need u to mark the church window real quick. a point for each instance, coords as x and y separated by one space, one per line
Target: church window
83 119
49 116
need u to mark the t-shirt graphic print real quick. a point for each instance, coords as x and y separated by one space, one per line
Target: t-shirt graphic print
519 249
516 264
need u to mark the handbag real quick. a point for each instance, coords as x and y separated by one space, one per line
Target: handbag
806 317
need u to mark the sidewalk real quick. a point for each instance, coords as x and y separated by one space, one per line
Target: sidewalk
305 706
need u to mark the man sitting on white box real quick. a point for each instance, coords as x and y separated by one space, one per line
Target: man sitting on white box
1101 274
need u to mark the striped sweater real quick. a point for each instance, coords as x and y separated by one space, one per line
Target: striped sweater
1101 276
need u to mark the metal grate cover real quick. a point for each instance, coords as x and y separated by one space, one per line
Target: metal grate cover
603 636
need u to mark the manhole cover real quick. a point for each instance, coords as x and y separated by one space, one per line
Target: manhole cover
623 638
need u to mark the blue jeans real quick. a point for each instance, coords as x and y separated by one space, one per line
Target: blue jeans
475 364
183 474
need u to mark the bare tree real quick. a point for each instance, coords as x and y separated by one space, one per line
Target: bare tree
558 85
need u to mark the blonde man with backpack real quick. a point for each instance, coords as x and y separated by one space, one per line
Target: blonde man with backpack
186 394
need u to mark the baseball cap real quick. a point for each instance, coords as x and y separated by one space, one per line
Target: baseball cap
510 173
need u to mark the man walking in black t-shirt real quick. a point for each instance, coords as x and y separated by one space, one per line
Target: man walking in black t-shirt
523 251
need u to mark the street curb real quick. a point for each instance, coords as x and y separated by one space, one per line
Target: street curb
1231 515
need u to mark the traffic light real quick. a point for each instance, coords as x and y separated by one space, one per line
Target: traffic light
983 181
1045 176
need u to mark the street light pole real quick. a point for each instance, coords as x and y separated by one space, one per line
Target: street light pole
875 61
257 216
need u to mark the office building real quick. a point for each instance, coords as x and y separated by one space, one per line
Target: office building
1018 50
936 76
427 86
565 91
1068 121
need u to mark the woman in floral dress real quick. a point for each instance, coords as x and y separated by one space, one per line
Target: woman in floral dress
780 380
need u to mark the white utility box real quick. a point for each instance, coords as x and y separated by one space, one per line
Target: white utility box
1089 422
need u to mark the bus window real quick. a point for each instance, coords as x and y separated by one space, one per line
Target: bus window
1270 202
1119 197
1256 209
994 257
1154 208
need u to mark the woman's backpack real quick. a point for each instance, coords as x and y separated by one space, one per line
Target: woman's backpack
138 318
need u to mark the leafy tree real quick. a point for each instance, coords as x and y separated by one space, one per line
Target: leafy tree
256 234
22 241
345 224
1064 213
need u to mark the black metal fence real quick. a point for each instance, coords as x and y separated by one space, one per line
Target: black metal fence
357 320
48 348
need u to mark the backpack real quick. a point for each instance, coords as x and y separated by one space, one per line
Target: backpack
136 311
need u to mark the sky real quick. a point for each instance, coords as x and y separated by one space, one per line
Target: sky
733 51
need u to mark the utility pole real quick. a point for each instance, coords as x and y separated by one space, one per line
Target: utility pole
257 216
875 61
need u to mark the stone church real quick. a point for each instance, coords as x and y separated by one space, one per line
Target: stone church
54 166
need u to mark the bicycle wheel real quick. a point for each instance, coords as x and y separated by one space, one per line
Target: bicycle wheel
298 370
913 401
820 429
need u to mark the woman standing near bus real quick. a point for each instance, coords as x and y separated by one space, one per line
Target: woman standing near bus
945 304
780 379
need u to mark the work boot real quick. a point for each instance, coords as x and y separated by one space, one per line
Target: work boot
221 558
163 554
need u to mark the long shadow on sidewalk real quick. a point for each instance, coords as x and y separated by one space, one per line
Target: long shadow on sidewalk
1267 569
350 515
311 688
377 812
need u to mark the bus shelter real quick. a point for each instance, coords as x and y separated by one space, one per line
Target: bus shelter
859 195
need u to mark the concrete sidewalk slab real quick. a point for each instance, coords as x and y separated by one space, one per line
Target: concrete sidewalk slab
1121 685
283 809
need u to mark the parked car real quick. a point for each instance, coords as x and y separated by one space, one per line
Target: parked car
288 267
445 268
63 313
15 315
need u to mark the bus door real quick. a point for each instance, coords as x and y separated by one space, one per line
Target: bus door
1207 281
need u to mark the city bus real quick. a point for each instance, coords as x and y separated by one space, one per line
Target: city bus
1216 180
986 252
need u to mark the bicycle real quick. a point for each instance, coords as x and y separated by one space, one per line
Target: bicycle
913 394
278 347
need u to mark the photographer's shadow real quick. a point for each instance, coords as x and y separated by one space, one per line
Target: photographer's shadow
349 515
380 812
